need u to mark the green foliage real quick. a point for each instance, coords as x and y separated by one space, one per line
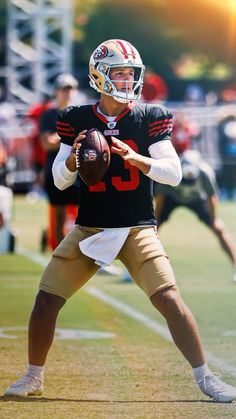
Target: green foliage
162 31
158 46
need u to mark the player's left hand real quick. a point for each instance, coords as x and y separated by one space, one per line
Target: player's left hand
124 151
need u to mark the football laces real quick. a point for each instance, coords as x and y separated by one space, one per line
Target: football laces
77 157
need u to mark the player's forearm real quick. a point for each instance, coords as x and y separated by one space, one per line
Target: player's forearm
167 171
165 167
70 163
62 175
141 162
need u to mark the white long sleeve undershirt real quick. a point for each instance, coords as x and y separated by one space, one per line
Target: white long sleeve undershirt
165 165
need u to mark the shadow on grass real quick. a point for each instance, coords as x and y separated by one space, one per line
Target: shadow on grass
61 399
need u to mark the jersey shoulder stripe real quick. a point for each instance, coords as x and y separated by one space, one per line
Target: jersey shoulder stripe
65 123
159 123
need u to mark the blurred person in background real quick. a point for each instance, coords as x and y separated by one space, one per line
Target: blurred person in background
194 94
185 132
8 117
9 123
227 149
7 239
65 94
198 192
154 88
39 153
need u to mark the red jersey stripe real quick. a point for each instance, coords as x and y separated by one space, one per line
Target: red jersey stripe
154 134
64 129
64 125
65 134
158 127
150 134
159 131
160 121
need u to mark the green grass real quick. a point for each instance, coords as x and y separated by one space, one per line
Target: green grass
136 374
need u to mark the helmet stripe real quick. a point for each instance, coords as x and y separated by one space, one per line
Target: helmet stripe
132 50
123 49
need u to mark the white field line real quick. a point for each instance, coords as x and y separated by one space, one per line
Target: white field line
146 321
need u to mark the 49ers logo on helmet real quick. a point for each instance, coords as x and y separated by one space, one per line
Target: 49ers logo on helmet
101 52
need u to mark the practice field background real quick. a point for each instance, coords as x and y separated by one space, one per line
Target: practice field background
136 373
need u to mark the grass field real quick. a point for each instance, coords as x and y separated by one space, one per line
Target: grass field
135 373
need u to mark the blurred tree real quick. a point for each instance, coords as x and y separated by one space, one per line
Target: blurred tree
162 30
159 46
207 26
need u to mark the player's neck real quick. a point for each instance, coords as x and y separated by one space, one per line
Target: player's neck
111 107
63 104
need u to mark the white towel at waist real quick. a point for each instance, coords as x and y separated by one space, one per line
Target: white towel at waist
103 247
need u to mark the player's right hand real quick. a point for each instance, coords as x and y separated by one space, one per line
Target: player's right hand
77 141
70 161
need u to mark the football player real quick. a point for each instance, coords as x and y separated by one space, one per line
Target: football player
198 192
65 89
116 217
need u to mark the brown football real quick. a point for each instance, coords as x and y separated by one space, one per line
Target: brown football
93 157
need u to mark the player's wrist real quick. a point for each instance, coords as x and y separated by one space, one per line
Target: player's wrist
71 163
142 163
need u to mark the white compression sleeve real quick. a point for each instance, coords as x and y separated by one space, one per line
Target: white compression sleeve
165 165
63 177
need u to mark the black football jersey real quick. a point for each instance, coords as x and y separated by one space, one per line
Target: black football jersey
124 197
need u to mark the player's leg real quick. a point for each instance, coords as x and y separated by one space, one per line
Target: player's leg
201 208
185 334
164 205
42 326
226 241
152 272
40 337
181 323
224 238
67 271
149 260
